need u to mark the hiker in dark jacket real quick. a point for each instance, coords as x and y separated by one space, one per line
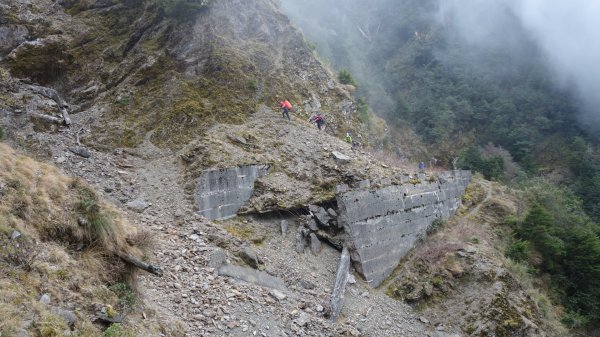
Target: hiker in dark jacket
318 119
286 106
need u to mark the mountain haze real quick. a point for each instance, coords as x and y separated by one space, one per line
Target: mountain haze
151 186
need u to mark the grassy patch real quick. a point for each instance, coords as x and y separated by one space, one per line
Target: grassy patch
240 230
125 293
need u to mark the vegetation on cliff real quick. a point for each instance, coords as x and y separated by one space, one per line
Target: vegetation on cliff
58 266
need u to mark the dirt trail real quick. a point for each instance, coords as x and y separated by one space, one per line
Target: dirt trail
488 194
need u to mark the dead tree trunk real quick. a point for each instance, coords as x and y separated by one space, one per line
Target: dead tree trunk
48 118
53 95
156 270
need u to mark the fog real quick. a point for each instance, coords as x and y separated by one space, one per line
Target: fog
567 32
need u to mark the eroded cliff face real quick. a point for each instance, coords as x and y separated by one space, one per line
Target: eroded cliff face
148 74
156 98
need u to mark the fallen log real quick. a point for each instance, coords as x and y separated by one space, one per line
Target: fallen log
48 118
156 270
339 287
53 95
66 117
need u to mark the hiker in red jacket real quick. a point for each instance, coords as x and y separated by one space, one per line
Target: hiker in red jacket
286 106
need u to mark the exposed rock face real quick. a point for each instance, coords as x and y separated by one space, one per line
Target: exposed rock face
384 224
11 36
220 193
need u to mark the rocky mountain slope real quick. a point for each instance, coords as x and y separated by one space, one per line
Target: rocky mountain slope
138 98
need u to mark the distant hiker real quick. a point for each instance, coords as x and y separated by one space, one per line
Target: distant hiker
318 119
433 162
421 166
348 138
286 106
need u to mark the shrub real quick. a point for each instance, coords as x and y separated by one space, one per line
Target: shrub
345 77
492 168
519 251
116 330
181 9
252 85
100 223
363 110
125 293
574 320
1 133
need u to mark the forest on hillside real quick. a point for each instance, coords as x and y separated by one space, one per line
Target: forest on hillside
491 98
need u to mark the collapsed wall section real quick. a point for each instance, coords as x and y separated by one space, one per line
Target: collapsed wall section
221 192
384 224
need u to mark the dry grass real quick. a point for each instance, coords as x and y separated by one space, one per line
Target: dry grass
46 205
66 249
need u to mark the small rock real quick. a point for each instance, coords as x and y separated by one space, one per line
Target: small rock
351 279
216 258
178 213
209 313
68 315
15 235
249 256
137 205
340 158
312 225
299 240
319 308
306 284
284 227
315 244
61 159
341 188
45 299
238 139
364 184
80 151
424 320
332 212
470 249
302 320
278 295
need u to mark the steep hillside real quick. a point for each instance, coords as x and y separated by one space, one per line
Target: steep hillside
60 273
460 277
166 72
140 99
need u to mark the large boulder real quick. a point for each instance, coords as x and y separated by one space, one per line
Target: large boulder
42 60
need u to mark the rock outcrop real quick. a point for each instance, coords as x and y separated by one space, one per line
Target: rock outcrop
384 224
220 193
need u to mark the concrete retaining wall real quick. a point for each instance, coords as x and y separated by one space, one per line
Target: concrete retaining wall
384 224
220 193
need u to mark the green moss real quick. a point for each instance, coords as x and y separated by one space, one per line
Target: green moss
505 315
240 230
42 63
414 181
51 325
